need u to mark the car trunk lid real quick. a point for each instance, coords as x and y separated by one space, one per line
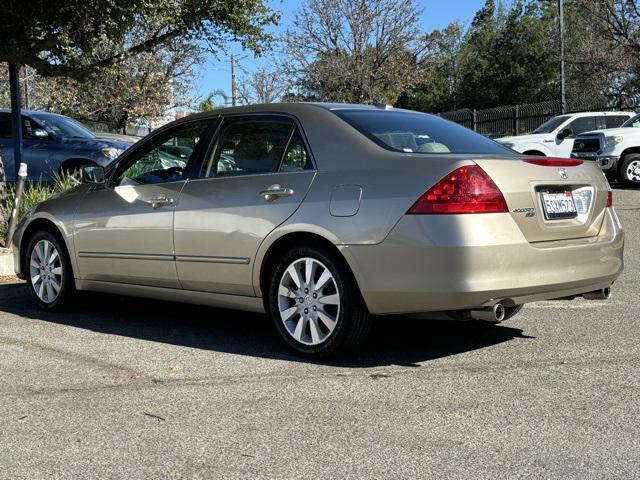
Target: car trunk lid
541 194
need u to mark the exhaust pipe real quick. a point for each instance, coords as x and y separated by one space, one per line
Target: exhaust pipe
493 314
602 294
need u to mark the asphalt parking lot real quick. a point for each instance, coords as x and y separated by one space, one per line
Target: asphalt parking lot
130 388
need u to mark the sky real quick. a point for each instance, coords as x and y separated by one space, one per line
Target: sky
215 74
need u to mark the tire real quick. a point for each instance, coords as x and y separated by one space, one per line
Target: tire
630 170
44 271
333 322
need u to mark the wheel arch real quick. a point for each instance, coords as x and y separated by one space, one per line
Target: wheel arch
38 225
268 254
629 150
533 151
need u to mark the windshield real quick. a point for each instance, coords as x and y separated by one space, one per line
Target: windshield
64 126
551 124
632 122
404 131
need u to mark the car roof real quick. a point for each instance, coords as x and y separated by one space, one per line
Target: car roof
586 114
31 112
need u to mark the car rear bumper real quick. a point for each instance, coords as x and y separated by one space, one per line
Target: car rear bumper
439 263
608 163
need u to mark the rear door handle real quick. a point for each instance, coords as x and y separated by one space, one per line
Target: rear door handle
274 192
160 202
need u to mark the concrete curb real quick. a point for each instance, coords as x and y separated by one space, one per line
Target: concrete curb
6 264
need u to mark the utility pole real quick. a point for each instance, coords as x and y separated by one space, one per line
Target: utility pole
233 82
26 87
563 100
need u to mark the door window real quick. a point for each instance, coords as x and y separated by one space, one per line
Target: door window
164 160
248 146
614 121
583 124
5 125
296 157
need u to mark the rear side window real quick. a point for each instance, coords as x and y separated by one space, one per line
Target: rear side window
419 132
248 146
614 121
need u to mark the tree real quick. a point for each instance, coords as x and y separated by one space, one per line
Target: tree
438 90
209 103
73 38
612 42
354 50
262 86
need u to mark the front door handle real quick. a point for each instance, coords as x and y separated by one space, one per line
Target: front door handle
274 192
160 202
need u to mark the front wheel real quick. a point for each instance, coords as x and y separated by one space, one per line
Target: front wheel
48 271
315 304
630 170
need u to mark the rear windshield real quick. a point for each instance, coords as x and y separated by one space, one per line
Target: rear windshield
403 131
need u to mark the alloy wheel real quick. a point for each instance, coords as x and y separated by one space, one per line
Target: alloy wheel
45 268
309 301
632 172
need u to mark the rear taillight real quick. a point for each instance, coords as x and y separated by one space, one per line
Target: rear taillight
609 199
465 190
553 162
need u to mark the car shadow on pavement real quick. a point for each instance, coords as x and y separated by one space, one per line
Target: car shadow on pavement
394 341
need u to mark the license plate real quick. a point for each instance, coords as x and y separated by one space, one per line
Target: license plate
558 205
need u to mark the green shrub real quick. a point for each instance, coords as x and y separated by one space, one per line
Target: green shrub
34 193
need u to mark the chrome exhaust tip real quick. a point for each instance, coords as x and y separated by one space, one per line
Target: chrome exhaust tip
602 294
493 314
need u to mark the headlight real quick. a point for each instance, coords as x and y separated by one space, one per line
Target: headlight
111 152
507 144
610 142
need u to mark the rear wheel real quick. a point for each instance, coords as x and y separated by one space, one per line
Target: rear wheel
48 271
315 304
630 170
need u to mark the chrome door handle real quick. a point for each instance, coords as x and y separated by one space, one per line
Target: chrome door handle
159 202
274 192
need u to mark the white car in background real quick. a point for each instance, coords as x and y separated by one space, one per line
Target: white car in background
616 150
554 138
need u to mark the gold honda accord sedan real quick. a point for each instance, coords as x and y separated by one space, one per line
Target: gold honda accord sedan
323 216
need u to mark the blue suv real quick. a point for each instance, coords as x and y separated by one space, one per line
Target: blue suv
54 144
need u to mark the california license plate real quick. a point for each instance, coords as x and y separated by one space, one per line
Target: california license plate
558 205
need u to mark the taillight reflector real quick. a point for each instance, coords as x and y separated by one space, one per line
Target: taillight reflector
553 162
609 199
466 190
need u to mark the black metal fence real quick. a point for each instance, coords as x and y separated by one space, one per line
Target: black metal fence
518 119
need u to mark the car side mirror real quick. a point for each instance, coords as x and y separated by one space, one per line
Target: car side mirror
40 133
564 133
93 175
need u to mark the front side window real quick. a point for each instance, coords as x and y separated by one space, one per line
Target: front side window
409 132
5 125
583 124
165 160
248 146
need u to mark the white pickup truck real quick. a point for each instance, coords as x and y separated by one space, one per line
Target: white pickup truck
617 150
554 138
